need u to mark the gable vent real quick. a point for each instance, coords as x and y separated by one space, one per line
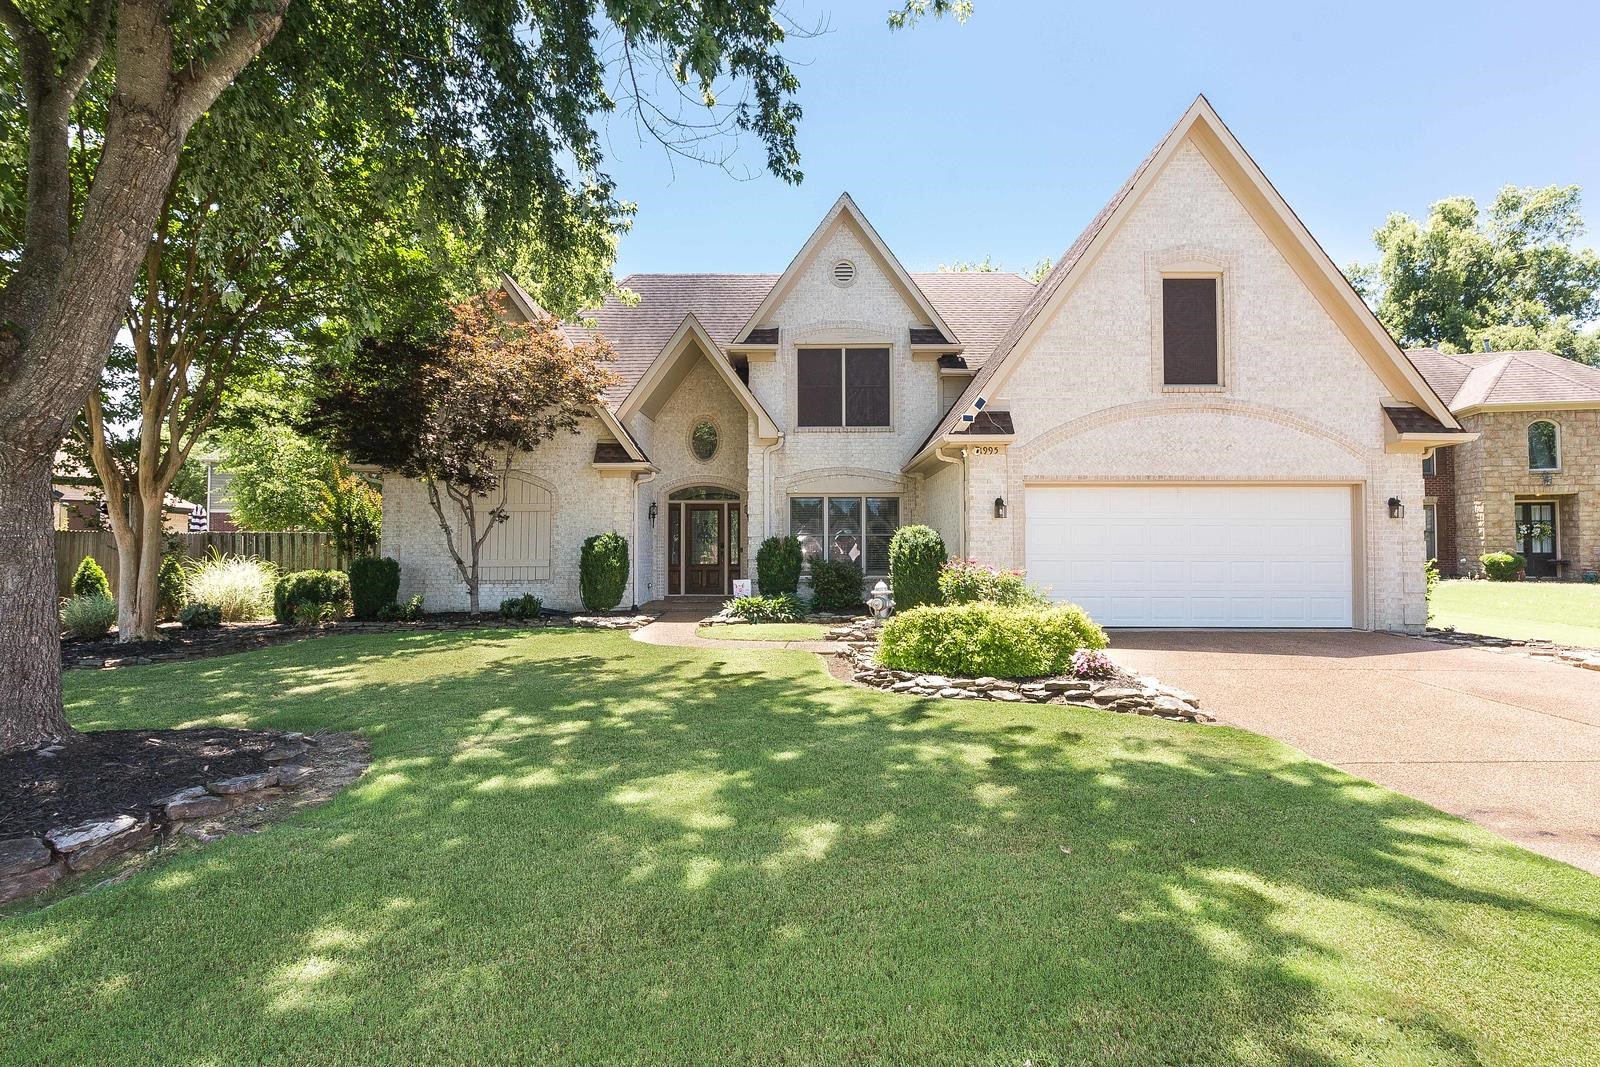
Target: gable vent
844 273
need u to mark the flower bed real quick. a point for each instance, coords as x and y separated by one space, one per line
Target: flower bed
1121 693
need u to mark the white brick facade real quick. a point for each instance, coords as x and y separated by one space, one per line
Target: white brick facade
1300 403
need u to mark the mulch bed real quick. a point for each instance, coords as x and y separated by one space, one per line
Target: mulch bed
95 775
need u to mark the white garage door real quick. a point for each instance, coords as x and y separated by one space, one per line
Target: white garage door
1195 555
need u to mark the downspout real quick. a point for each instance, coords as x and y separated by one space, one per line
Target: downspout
633 556
961 531
767 455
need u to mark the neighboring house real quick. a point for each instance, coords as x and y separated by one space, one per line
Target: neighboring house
219 502
1530 482
78 504
1192 421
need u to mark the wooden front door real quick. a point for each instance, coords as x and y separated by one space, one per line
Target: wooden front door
1536 538
705 537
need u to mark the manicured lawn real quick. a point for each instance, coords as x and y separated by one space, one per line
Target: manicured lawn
576 848
766 631
1566 612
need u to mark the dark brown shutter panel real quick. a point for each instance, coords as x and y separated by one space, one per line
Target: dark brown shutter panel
819 386
1189 331
866 392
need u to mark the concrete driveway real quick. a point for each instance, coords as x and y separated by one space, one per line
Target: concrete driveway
1508 741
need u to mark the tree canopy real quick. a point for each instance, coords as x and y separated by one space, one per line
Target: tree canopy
1512 276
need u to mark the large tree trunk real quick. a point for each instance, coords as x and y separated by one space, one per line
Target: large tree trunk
30 625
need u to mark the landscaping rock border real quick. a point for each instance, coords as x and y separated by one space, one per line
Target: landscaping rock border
234 638
1126 694
32 864
1586 658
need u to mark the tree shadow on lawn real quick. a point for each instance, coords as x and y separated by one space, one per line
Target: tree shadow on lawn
573 846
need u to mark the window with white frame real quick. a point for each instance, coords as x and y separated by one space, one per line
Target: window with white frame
1430 465
1430 531
856 529
1544 446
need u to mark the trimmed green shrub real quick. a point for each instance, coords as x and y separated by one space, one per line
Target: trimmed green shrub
1430 579
172 586
766 608
968 581
915 555
526 606
835 585
778 566
374 585
301 597
1503 566
240 586
200 617
603 571
90 579
410 611
987 640
89 616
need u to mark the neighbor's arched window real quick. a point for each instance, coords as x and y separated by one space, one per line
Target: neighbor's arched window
1544 446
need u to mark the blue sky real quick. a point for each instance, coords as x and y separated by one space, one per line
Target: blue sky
1002 137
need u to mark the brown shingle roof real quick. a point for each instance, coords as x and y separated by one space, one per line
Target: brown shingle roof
928 335
1408 419
762 335
1522 379
977 306
611 452
988 424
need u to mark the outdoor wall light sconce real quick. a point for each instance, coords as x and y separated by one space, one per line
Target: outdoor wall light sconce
999 507
1397 510
652 514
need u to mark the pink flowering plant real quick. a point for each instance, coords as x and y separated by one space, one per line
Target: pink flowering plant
967 581
1092 664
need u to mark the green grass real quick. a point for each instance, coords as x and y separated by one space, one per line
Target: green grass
1565 612
766 631
576 848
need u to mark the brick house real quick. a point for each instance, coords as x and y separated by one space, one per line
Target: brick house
1193 420
1530 480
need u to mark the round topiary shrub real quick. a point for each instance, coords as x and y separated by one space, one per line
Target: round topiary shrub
915 555
778 566
90 579
374 585
835 585
603 571
1503 566
988 640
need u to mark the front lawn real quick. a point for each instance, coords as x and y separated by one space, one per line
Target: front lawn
766 631
572 847
1564 612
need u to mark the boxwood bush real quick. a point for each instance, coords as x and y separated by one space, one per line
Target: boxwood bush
835 585
519 608
303 597
1503 566
200 617
603 571
778 566
374 585
90 579
915 555
988 640
765 608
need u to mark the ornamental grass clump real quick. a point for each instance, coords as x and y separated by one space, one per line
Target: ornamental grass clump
988 640
239 586
88 617
766 608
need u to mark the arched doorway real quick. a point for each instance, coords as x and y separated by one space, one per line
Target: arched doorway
705 551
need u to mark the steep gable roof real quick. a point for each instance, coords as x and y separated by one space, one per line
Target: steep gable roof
1471 381
845 212
688 342
978 306
1201 125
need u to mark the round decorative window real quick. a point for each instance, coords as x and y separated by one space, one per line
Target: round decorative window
703 440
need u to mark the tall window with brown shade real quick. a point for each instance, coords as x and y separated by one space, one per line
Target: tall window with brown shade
1190 339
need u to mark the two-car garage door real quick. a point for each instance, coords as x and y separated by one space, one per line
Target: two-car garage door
1152 555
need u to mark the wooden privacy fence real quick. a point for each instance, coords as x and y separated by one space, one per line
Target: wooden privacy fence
289 551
